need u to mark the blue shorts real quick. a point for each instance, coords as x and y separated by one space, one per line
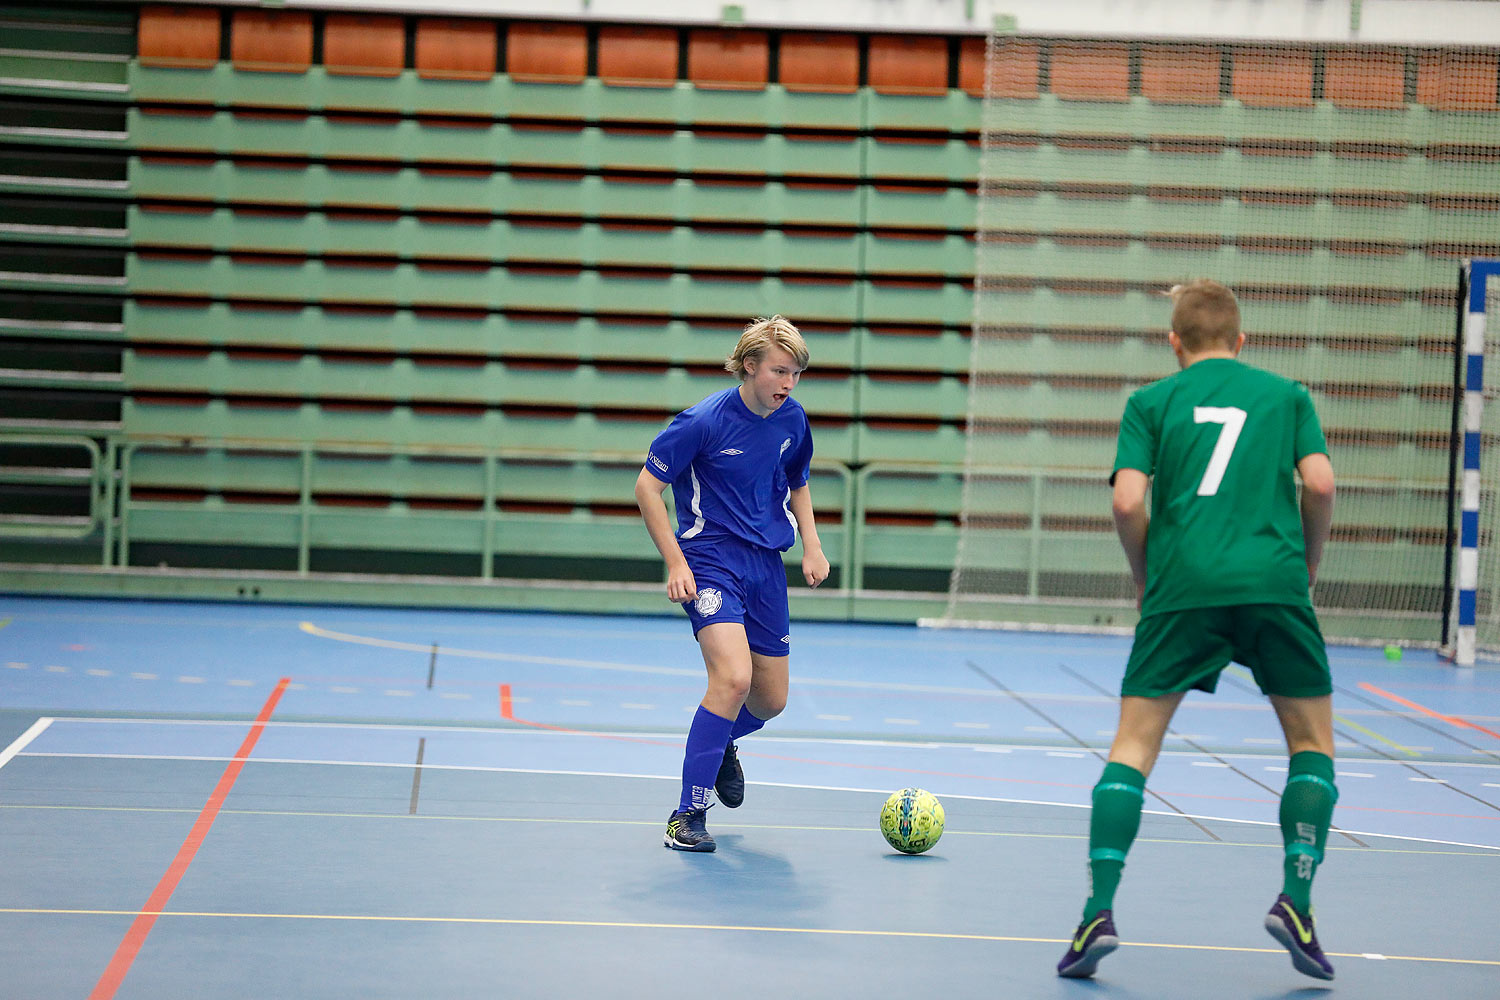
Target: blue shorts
741 582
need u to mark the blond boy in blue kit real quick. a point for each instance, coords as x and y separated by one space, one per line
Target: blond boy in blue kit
738 464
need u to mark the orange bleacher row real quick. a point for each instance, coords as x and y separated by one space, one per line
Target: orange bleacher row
826 62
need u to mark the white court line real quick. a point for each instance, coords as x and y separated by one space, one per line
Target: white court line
20 742
882 792
760 737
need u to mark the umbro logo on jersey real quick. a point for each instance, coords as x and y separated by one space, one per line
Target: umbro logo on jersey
731 451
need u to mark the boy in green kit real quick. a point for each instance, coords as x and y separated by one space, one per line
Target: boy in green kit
1223 563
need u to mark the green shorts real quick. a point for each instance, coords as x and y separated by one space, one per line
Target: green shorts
1182 650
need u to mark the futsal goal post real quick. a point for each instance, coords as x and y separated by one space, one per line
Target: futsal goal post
1471 613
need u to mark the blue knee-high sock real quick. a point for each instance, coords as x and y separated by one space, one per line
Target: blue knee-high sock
707 737
744 725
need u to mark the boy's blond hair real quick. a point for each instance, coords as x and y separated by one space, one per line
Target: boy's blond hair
1205 315
762 335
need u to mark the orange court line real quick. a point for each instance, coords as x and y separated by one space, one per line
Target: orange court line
135 937
1452 720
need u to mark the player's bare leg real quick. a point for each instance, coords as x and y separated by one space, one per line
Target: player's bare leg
1143 726
726 654
769 679
764 701
1306 722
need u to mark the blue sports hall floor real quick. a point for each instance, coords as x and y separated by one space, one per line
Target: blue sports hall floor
212 801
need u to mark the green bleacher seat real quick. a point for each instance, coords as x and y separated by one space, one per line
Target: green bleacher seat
921 207
896 301
585 243
549 429
403 331
410 189
941 349
583 147
491 383
947 158
591 101
387 283
948 254
954 111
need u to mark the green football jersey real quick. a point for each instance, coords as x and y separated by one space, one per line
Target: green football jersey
1221 441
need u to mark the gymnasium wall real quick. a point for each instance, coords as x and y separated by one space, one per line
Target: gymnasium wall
346 294
332 306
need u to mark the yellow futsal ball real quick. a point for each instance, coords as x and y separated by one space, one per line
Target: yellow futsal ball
912 820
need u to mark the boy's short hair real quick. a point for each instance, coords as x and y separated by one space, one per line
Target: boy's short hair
760 336
1204 315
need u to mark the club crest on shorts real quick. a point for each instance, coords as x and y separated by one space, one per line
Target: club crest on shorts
709 601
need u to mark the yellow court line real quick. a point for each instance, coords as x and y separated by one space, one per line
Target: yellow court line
1246 675
744 928
4 622
1478 852
1374 735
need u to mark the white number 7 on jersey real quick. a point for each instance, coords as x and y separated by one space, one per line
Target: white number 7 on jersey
1233 420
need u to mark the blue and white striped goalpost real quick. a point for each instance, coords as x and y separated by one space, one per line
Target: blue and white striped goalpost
1477 274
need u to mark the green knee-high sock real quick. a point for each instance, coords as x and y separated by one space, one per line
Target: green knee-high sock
1306 811
1112 827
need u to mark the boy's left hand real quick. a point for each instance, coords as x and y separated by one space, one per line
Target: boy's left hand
814 567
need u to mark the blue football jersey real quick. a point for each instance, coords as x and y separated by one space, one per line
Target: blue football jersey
732 473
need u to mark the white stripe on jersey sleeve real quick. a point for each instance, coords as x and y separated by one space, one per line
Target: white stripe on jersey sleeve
695 505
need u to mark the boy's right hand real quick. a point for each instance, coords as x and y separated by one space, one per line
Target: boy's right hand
681 587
